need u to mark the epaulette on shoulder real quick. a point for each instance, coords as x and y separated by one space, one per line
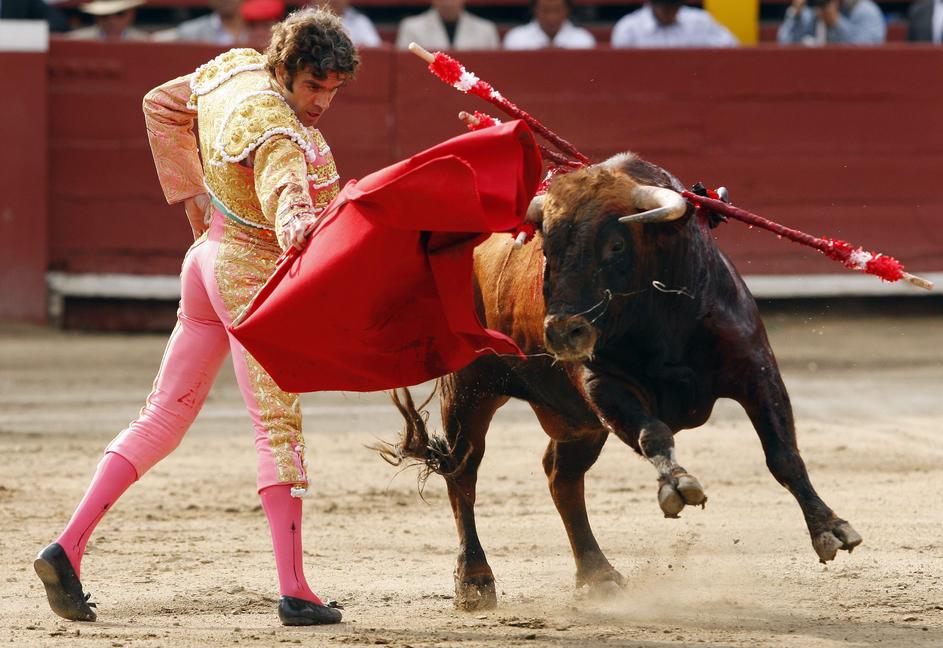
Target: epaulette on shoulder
212 74
253 120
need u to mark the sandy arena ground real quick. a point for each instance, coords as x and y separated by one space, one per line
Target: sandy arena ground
184 559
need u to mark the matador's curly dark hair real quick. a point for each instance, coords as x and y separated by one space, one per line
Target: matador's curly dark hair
312 39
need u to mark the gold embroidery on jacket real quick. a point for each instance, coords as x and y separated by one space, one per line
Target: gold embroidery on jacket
324 174
325 196
235 127
232 130
214 73
243 264
255 118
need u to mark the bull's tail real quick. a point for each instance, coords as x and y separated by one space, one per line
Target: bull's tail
415 447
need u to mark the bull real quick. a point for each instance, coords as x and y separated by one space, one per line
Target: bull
633 323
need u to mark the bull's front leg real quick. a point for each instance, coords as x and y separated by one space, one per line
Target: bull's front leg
624 414
570 454
764 397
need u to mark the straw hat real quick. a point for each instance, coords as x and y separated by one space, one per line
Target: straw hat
108 7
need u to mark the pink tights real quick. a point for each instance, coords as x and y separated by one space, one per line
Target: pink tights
283 511
284 519
112 478
196 350
194 353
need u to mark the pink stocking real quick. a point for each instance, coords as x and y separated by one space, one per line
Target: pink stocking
284 518
112 478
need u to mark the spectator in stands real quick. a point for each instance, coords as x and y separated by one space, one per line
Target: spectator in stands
926 21
223 26
448 26
551 27
33 10
668 23
358 26
817 22
114 20
260 16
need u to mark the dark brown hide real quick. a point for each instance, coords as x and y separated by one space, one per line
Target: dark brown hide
673 328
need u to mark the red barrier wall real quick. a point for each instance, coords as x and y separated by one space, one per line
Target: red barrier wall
844 142
107 210
23 179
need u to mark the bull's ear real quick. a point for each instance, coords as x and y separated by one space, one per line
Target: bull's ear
535 212
659 205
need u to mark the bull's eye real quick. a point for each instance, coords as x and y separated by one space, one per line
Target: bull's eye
617 246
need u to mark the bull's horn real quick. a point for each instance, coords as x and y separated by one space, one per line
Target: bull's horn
535 215
661 205
535 211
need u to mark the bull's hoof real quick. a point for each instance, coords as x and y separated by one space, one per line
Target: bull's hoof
601 583
691 490
680 490
605 590
670 500
839 536
475 593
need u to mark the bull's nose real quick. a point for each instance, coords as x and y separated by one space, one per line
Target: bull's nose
569 334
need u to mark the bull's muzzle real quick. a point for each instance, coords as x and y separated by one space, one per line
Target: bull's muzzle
569 337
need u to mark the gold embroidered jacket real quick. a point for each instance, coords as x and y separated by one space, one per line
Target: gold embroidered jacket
258 160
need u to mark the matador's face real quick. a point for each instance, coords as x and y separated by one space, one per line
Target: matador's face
309 96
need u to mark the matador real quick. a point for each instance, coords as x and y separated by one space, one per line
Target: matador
252 185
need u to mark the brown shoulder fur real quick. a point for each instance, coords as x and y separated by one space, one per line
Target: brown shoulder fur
595 187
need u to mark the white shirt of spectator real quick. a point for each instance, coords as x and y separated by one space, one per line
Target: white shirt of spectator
428 30
692 28
821 34
221 35
205 29
361 30
937 22
531 36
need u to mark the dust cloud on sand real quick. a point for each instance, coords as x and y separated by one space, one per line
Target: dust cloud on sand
184 559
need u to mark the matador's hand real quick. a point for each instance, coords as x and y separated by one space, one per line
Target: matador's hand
198 213
297 230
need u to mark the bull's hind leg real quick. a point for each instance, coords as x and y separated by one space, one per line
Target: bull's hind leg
467 410
565 463
767 404
621 411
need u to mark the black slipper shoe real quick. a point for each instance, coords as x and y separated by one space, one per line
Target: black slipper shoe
299 612
63 588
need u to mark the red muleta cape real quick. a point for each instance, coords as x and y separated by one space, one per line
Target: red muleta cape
382 295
